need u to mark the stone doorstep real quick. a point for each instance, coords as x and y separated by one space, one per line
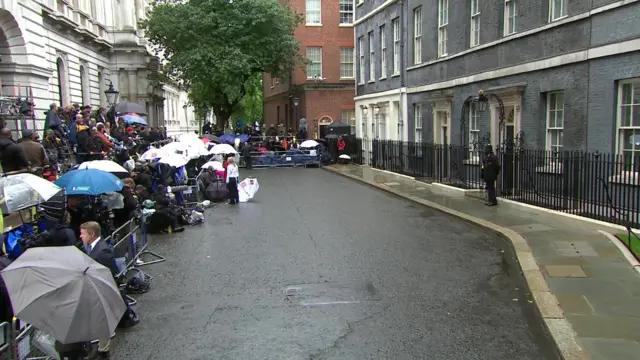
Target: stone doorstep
560 329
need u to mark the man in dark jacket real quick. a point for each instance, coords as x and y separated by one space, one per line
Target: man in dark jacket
83 140
62 234
99 250
12 156
246 154
53 121
489 173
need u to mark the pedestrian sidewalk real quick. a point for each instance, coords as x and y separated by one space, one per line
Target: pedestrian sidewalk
586 291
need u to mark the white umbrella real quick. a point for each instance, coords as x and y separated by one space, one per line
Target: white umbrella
175 160
216 165
22 191
221 149
154 153
309 144
176 148
64 293
104 165
195 151
344 157
190 138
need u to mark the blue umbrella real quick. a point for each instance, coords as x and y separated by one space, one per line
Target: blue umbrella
227 138
134 119
89 182
244 137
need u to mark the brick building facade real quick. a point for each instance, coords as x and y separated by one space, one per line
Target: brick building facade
321 91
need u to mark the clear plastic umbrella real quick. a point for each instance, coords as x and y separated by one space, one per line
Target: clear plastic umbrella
22 191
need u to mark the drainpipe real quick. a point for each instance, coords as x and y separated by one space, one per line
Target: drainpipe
401 123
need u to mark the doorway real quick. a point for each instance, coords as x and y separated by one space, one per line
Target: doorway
443 138
323 126
508 146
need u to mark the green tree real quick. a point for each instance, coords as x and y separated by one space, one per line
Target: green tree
214 47
250 108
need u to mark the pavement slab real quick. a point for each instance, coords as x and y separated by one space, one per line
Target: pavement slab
590 281
321 267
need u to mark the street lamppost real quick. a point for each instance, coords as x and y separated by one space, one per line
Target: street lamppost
112 94
296 101
186 118
483 105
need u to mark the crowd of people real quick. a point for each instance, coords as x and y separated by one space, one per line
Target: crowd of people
74 135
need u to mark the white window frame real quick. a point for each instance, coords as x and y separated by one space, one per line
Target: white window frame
382 123
417 123
474 38
347 14
383 52
395 24
313 62
349 119
510 15
313 13
361 78
443 21
552 10
474 133
372 57
628 175
346 63
553 131
417 36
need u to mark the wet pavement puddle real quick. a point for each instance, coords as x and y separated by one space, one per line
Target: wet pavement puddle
332 293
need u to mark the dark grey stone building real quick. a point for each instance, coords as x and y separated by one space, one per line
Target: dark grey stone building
559 75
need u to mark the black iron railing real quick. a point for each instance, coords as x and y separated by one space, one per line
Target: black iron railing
591 184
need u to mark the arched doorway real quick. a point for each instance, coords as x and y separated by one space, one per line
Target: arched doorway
62 82
323 125
85 93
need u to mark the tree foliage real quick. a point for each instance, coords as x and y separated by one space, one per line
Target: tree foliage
214 47
250 108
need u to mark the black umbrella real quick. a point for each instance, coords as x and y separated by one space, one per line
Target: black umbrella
129 107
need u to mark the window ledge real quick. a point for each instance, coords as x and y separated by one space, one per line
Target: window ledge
472 161
383 78
345 25
361 83
558 19
395 75
360 3
313 25
551 168
630 178
371 81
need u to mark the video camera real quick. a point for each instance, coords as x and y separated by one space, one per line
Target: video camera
40 240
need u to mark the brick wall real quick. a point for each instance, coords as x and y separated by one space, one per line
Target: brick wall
339 92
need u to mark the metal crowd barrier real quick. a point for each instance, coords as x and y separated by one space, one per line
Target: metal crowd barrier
291 158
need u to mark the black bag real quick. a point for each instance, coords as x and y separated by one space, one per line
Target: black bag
140 283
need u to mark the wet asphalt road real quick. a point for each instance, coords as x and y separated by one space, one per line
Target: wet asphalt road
321 267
